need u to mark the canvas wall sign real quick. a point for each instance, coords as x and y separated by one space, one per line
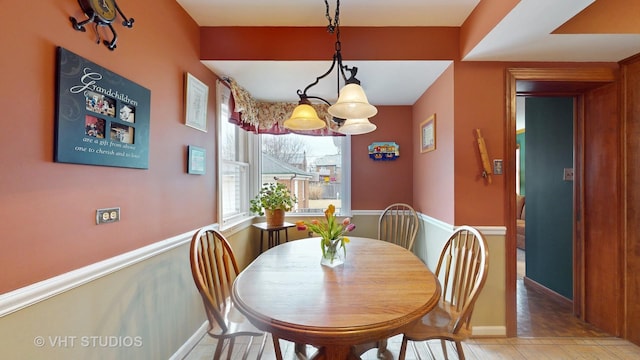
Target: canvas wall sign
101 117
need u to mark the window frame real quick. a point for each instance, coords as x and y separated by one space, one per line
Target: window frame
247 149
250 148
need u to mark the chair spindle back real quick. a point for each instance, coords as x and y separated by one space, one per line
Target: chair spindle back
462 270
214 269
399 224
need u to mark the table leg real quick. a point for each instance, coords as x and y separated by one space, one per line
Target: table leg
300 351
380 345
336 352
261 239
271 240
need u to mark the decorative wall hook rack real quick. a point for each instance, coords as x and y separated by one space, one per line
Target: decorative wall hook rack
101 13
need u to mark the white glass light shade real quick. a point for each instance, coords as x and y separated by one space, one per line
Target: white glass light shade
357 127
352 104
304 117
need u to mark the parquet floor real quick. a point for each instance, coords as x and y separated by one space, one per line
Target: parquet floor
546 330
541 316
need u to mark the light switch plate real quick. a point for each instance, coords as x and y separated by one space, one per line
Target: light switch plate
497 167
568 174
107 215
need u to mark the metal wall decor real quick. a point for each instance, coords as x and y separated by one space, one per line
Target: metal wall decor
101 13
384 151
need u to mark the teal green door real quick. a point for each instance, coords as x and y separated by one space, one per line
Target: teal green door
549 123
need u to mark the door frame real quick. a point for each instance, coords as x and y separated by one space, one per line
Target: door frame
573 81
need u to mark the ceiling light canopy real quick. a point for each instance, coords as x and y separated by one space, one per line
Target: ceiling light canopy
352 108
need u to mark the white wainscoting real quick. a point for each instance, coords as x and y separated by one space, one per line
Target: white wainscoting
146 295
489 313
32 294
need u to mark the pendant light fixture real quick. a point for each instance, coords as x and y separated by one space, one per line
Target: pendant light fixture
357 127
304 117
352 110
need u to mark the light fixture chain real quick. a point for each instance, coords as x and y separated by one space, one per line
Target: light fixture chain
335 22
351 113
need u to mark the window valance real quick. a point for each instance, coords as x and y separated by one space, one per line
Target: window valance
267 117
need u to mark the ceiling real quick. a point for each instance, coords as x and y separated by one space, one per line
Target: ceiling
534 30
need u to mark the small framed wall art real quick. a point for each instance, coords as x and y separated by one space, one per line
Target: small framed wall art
428 134
196 160
196 99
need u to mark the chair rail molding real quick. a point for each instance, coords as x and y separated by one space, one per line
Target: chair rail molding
485 230
32 294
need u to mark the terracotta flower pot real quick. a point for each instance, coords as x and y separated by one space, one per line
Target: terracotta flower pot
275 217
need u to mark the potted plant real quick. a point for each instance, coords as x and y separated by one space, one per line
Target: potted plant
273 200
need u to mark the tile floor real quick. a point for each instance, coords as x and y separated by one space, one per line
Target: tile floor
601 348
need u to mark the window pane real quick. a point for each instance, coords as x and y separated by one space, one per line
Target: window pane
311 166
233 184
228 139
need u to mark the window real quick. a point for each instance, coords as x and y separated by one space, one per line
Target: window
315 168
235 171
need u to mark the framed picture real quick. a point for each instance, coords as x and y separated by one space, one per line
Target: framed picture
196 162
428 134
196 98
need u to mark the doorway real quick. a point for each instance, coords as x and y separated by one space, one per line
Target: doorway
545 138
568 82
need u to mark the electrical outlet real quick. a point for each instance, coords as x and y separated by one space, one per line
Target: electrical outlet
108 215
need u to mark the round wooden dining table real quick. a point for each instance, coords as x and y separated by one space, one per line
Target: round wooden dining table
379 290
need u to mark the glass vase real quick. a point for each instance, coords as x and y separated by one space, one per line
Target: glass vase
332 253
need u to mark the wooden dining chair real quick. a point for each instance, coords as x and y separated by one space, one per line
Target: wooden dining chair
462 272
399 224
214 268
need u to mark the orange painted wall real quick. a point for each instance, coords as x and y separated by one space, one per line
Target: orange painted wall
597 19
47 209
447 182
377 184
484 17
433 172
315 43
479 104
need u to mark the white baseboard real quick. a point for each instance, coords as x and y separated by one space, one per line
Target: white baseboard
186 348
